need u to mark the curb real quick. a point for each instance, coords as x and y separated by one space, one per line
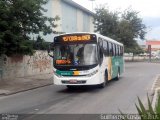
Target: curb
155 91
153 88
155 98
24 90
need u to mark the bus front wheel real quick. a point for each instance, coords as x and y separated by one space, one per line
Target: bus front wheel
102 85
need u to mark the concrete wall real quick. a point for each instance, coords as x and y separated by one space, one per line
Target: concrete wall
86 22
79 20
69 18
72 19
91 24
57 11
20 66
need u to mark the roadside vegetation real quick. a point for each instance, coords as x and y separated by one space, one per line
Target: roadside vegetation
125 27
22 25
147 112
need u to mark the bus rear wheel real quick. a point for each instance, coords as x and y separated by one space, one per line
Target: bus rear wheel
118 74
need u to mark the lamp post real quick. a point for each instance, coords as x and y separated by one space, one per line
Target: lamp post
92 3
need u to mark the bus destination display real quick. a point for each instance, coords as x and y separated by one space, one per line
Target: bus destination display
76 38
79 38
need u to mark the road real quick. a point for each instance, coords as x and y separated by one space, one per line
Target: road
136 81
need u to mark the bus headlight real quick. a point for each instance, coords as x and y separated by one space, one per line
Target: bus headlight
93 73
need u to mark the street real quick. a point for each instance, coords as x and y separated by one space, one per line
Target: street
136 81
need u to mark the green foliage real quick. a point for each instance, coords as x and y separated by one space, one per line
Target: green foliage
124 27
106 22
135 49
40 44
147 113
136 26
158 106
18 20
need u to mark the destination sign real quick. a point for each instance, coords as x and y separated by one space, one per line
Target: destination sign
75 38
61 62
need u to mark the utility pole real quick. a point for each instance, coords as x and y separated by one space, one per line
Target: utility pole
92 4
149 51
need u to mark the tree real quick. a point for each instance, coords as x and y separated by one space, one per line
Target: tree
18 20
106 22
130 28
40 44
124 27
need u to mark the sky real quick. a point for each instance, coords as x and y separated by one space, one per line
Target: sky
149 11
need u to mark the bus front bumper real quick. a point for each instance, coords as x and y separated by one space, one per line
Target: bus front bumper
78 80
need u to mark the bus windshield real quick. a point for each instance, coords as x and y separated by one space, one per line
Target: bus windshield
75 54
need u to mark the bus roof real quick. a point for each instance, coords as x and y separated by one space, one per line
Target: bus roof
97 34
108 39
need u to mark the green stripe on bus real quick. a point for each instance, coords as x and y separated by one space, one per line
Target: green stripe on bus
117 65
64 72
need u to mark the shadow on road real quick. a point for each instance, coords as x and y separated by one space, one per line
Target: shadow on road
80 89
86 88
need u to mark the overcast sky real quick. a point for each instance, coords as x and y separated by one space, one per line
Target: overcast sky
149 12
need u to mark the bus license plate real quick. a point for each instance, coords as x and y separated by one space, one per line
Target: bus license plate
73 81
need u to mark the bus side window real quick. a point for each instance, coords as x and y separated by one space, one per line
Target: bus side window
121 50
100 50
110 49
105 48
101 55
100 42
117 50
113 48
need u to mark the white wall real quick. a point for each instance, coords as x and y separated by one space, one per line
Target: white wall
57 10
91 24
79 21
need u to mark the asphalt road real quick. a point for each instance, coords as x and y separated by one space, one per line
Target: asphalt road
136 81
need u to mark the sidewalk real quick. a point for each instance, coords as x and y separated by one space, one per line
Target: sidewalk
20 84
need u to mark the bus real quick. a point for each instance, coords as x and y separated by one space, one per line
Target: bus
86 59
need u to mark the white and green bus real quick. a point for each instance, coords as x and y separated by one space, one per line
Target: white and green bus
86 59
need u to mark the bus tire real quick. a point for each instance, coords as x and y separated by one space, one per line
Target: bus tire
102 85
118 74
